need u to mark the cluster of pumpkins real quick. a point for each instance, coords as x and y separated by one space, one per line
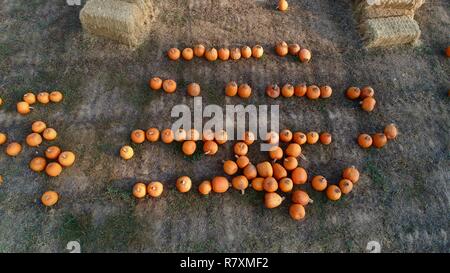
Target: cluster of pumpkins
283 49
378 140
212 54
312 92
365 95
24 106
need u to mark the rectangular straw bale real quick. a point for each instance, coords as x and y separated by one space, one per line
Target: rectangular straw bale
370 9
114 19
390 31
392 4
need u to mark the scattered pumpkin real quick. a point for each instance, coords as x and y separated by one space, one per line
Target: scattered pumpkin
199 50
257 51
167 136
293 150
126 152
286 184
286 135
224 54
231 89
155 189
52 152
23 108
287 91
313 92
319 183
283 5
230 167
351 173
240 148
246 52
264 169
49 134
211 54
155 83
3 138
220 184
304 55
270 184
240 183
391 131
333 193
235 54
325 138
13 149
193 89
38 126
300 89
38 164
139 190
189 147
276 153
43 97
250 171
272 137
353 93
312 137
210 147
282 49
169 86
244 91
34 140
56 96
299 176
272 200
368 104
66 159
242 161
299 138
297 212
49 198
205 187
346 186
379 140
257 184
301 197
138 136
188 54
184 184
273 91
367 91
180 135
290 163
221 137
249 138
294 49
29 98
152 135
325 91
174 54
365 141
53 169
279 171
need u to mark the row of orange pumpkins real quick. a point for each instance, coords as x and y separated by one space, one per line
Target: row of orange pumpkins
24 107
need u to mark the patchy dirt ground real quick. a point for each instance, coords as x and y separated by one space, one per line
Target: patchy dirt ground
402 200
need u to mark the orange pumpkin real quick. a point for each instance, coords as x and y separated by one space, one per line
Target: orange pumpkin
126 152
211 54
221 137
169 86
276 153
240 183
224 54
272 200
155 83
257 184
301 197
220 184
286 135
391 131
240 148
368 104
333 193
49 198
210 147
3 138
353 93
299 176
173 54
297 212
235 54
199 50
319 183
286 184
264 169
189 147
244 91
230 167
184 184
29 98
279 171
38 127
283 5
346 186
325 91
138 136
155 189
180 135
290 163
379 140
231 89
246 52
13 149
325 138
66 159
52 152
250 171
188 54
249 138
53 169
207 135
313 92
38 164
299 138
56 96
293 150
312 137
273 91
34 140
152 134
23 108
294 49
205 187
193 89
287 91
270 184
167 136
282 49
139 190
257 51
304 55
365 141
272 138
351 173
367 91
300 89
242 161
43 97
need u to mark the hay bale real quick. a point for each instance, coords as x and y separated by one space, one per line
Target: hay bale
396 4
390 31
124 21
371 9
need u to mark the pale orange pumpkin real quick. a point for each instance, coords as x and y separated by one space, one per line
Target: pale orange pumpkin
53 169
155 189
230 167
199 50
152 134
231 89
299 176
286 184
351 173
220 184
270 184
205 187
66 159
155 83
188 54
304 55
13 149
49 198
319 183
169 86
297 212
246 52
224 54
211 54
139 190
272 200
210 147
301 197
193 89
240 183
126 152
174 54
38 164
235 54
38 126
184 184
313 92
257 51
282 48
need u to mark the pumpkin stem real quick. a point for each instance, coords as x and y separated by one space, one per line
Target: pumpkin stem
207 152
242 192
310 201
302 156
